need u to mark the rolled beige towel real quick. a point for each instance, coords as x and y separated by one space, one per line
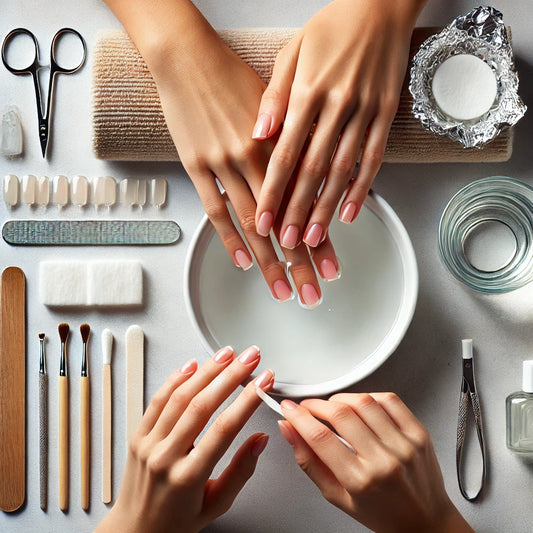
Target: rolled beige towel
129 125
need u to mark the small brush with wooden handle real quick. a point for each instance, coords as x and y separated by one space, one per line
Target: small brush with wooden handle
85 414
63 330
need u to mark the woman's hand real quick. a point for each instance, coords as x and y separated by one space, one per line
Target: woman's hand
210 99
393 482
166 485
340 78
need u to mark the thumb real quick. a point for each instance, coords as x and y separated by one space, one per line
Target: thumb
275 99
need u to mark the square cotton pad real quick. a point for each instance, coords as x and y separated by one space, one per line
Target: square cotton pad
63 282
95 283
115 283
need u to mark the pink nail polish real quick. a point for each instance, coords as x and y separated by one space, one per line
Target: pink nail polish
313 235
286 432
290 237
259 445
250 355
289 404
328 270
309 294
224 355
243 259
282 290
348 213
264 379
262 126
266 220
189 367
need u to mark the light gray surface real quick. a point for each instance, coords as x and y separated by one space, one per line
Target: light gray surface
425 370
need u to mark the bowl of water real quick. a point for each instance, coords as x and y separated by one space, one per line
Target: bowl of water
362 318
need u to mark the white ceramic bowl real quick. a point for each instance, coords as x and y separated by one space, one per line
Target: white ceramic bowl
362 319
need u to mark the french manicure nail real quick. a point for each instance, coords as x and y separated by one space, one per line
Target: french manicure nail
313 235
250 355
289 404
243 259
259 444
264 379
282 290
224 355
265 223
310 295
262 126
290 237
286 432
328 269
189 367
348 213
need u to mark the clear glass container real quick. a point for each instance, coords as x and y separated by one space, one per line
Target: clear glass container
519 414
497 202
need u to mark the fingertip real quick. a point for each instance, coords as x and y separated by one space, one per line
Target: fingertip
348 213
263 127
265 223
286 431
259 444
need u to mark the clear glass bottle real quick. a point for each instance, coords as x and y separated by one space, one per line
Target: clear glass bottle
519 411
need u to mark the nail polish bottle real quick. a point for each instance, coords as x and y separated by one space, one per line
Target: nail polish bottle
519 411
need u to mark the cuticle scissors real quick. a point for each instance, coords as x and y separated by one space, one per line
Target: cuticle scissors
33 70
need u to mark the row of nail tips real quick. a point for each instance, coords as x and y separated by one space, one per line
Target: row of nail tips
102 190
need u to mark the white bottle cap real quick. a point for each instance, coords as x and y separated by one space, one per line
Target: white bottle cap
527 376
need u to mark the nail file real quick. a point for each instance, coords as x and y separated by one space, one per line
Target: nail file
90 232
107 416
134 379
275 406
12 389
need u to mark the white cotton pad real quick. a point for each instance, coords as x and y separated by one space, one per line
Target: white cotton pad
63 283
464 87
115 283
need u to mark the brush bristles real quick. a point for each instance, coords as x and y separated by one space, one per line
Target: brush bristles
42 336
63 330
85 330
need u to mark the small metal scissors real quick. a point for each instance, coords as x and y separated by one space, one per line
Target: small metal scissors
33 70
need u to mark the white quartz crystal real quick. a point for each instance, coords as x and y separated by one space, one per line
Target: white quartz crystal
10 132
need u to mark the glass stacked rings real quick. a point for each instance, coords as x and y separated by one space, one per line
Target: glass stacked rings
497 206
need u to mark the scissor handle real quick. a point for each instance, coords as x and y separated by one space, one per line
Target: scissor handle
54 66
34 66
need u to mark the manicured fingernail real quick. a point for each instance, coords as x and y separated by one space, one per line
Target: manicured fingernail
259 444
310 295
243 259
290 237
224 355
189 367
265 223
329 270
250 355
264 379
282 290
313 235
262 126
286 432
348 213
289 404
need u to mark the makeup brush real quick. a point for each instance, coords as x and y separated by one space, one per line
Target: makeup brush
63 330
43 424
107 420
85 403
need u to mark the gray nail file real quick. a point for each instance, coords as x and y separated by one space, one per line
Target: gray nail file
90 232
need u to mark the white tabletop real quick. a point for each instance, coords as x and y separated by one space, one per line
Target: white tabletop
425 370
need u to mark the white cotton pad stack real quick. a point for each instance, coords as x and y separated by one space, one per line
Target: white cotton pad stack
91 283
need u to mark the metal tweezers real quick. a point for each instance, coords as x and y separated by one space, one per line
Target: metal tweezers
468 397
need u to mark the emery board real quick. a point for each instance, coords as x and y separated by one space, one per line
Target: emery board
12 389
90 232
134 379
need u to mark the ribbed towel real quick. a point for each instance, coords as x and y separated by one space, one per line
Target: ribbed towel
129 124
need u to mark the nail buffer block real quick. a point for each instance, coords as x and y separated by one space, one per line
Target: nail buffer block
12 389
